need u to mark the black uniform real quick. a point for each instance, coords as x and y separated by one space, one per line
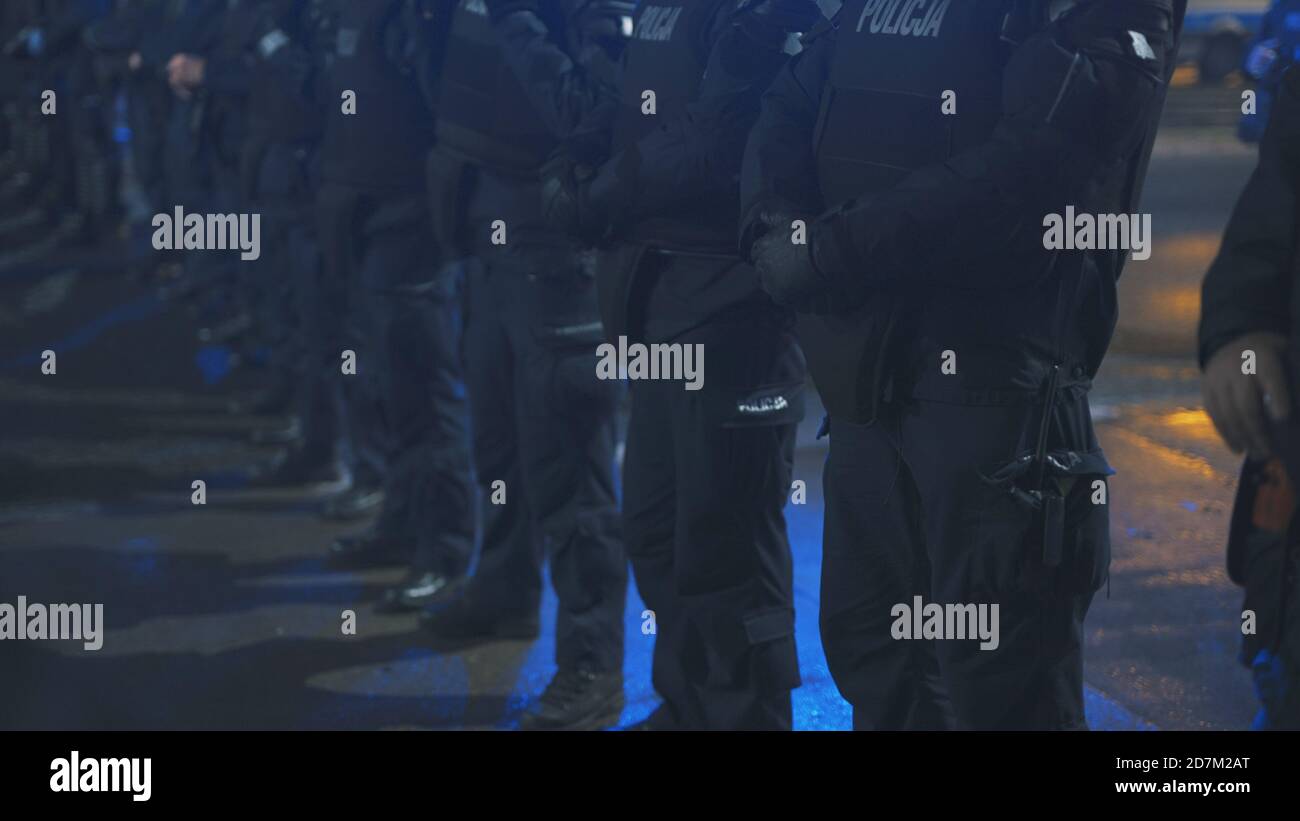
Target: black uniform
953 352
1251 288
280 174
140 28
25 137
224 99
188 165
543 424
381 275
69 152
707 471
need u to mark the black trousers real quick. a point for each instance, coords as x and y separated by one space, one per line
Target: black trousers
386 298
912 510
544 441
705 486
277 187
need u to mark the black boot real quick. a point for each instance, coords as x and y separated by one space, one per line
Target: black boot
416 592
577 700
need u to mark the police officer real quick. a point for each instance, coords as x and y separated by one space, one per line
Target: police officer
707 471
922 147
69 150
191 34
1250 313
382 268
25 134
543 423
128 44
280 173
214 83
342 305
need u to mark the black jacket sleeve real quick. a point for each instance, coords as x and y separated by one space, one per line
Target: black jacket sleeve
1248 287
700 151
779 171
571 77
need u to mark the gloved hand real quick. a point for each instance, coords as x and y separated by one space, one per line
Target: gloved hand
786 267
771 22
562 194
1262 58
584 200
1242 405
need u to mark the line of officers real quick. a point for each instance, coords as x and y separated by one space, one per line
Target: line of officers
472 195
57 182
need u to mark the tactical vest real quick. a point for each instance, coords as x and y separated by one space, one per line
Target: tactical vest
484 114
883 116
896 64
386 141
668 54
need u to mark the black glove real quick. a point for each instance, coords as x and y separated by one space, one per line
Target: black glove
786 267
562 194
588 201
771 22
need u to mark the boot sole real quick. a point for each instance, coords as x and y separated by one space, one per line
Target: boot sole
601 719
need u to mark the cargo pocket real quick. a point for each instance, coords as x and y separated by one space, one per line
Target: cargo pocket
774 661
